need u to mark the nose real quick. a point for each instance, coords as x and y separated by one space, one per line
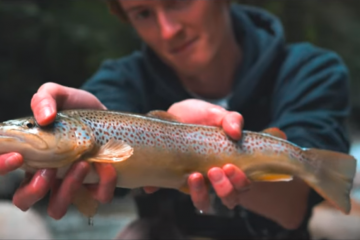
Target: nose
169 26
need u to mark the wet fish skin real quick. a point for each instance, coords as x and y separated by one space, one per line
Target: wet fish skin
157 150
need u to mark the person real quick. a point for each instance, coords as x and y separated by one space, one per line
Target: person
214 63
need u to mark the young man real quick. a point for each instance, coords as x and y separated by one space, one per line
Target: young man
234 60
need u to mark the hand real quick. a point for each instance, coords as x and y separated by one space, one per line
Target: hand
10 162
228 181
45 103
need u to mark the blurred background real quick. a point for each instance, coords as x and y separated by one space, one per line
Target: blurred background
65 41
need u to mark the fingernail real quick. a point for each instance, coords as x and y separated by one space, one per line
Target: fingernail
235 125
13 161
196 181
103 107
216 175
46 112
230 171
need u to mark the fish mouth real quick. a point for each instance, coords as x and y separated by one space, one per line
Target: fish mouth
12 137
6 135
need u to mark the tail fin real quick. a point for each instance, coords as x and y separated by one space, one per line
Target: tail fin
333 177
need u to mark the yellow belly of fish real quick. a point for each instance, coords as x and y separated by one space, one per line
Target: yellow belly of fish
167 169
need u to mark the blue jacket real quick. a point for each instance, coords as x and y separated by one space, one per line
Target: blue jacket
300 88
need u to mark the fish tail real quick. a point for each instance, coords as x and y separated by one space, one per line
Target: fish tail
333 175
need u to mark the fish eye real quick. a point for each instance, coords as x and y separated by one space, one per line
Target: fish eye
30 125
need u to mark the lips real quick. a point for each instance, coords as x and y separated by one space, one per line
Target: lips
183 46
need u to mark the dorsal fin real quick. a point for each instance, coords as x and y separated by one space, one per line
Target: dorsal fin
276 132
163 115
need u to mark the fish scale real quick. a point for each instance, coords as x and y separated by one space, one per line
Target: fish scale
200 139
253 142
137 131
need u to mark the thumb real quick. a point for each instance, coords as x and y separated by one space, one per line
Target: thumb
196 111
200 112
43 106
52 97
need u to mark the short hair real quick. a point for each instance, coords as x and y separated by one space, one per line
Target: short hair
116 9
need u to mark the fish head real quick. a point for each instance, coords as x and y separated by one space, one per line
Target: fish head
54 145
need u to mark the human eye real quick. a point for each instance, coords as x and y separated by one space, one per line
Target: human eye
142 14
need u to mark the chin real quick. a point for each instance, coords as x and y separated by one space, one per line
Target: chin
190 69
191 66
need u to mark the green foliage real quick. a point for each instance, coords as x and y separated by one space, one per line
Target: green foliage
54 41
66 41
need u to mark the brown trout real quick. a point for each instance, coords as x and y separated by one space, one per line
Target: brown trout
157 150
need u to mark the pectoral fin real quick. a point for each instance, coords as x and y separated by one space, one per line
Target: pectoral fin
267 177
163 115
276 132
113 151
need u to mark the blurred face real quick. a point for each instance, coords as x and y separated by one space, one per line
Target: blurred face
186 34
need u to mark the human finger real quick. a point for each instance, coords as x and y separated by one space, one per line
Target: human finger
10 162
232 124
33 188
51 96
104 190
62 196
237 177
196 111
223 187
199 192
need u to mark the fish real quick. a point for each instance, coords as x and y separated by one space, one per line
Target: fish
157 149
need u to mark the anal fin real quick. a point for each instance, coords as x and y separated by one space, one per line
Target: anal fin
113 151
267 177
85 203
